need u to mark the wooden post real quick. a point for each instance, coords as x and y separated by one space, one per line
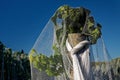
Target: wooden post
74 39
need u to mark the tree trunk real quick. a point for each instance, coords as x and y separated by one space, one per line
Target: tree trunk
74 39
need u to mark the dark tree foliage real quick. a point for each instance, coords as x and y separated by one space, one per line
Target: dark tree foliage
14 65
1 61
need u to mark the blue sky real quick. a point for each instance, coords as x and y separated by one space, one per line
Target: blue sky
21 21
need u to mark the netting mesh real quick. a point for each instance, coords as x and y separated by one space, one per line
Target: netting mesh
102 66
44 42
50 60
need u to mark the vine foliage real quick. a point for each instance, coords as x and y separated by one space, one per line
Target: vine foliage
52 65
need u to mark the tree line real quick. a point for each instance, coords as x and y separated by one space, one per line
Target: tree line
13 65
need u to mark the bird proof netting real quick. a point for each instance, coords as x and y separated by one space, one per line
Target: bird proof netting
70 47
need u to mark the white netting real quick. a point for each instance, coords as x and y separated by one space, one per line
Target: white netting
50 59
